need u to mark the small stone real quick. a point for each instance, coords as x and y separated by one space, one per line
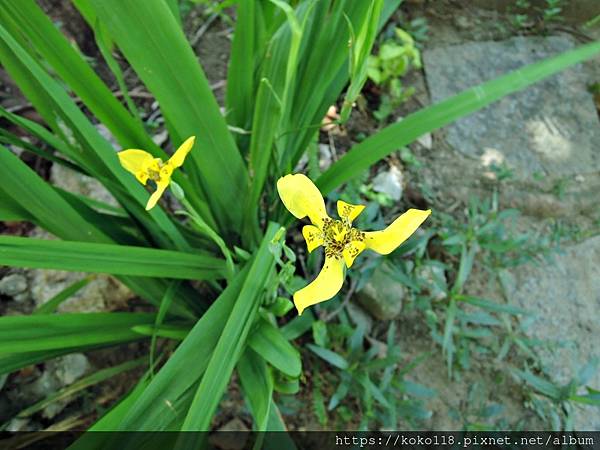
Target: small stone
55 408
69 368
13 284
42 387
22 297
77 183
106 134
325 158
231 436
16 150
160 138
102 293
389 182
426 141
382 296
434 278
462 22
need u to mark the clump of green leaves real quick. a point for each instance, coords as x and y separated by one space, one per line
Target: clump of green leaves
370 377
526 15
547 397
394 59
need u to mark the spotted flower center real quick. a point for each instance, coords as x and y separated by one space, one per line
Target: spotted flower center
154 175
337 235
156 171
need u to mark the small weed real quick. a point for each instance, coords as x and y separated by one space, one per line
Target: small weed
370 376
395 58
524 15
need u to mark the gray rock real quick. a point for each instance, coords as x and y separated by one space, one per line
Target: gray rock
106 134
13 284
325 157
103 293
549 128
426 141
69 368
382 296
22 297
161 137
389 182
462 22
59 372
77 183
435 281
229 436
564 296
41 388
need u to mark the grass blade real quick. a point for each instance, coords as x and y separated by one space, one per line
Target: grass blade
50 306
71 67
268 342
232 340
107 258
257 384
154 410
91 380
25 187
333 358
23 334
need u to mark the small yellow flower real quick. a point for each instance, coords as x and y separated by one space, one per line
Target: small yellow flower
342 242
145 166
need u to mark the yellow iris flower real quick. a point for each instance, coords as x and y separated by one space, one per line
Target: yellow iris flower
145 166
342 242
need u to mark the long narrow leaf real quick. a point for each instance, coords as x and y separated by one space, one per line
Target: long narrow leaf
90 380
232 340
61 331
257 383
155 409
107 258
268 342
70 66
23 185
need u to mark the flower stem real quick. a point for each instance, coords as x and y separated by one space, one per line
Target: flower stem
206 229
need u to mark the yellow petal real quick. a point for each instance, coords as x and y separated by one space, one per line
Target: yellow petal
160 189
302 198
326 285
165 173
313 237
134 160
386 241
179 156
351 251
348 211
